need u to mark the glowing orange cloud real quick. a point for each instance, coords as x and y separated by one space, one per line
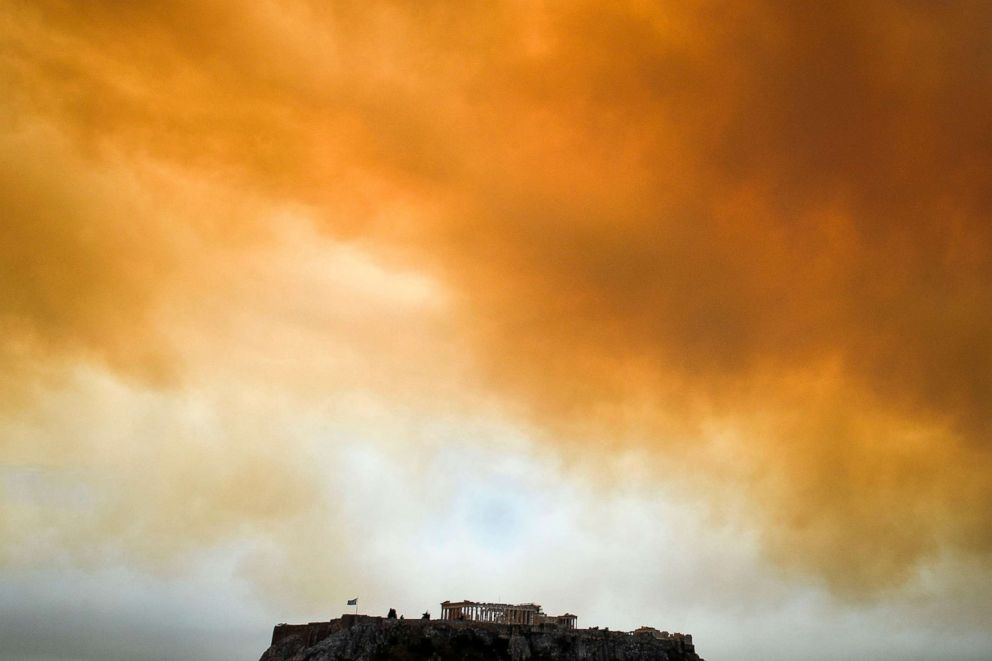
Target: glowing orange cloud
753 238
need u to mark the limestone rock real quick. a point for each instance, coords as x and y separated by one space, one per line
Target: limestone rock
363 638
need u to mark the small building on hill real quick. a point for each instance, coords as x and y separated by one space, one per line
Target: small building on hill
504 613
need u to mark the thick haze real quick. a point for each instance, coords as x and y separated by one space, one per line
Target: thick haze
744 246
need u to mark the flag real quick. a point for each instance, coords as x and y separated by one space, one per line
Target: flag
353 602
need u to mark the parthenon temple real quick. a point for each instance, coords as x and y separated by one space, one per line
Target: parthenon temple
503 613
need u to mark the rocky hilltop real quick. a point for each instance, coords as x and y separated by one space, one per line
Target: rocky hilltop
364 638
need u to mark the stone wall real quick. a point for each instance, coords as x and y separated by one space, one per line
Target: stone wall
364 638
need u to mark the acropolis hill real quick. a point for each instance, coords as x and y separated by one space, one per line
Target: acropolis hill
474 631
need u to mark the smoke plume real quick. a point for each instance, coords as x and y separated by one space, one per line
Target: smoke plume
753 239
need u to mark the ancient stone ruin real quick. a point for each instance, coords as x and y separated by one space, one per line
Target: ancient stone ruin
482 631
503 613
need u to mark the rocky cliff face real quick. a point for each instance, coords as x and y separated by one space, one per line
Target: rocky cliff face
361 638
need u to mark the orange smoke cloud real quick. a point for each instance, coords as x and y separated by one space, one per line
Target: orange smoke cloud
754 238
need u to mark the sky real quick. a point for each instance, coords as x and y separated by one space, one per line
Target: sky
670 314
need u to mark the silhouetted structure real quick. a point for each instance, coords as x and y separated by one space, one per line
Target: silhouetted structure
530 614
362 636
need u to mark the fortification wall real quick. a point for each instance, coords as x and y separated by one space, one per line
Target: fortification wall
365 638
